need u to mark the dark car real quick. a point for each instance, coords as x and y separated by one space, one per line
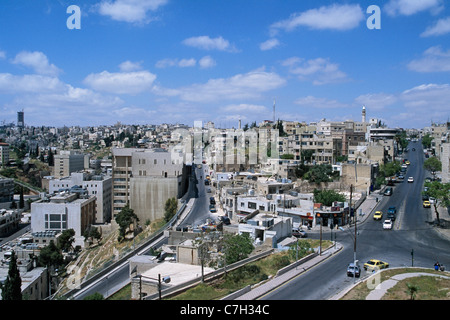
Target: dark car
388 192
391 213
299 233
353 270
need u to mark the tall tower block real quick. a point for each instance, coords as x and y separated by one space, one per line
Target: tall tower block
364 114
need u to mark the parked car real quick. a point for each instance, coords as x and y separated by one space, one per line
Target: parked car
299 233
212 208
353 270
377 215
375 264
387 224
427 204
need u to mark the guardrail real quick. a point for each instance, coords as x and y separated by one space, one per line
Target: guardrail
170 291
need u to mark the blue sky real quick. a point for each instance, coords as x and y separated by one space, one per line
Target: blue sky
180 61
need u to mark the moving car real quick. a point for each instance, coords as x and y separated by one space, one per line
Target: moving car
426 204
391 213
375 264
388 191
387 224
410 179
353 269
299 233
407 162
377 215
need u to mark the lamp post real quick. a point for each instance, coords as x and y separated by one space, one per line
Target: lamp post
165 280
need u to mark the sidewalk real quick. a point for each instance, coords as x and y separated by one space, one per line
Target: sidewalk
367 208
266 287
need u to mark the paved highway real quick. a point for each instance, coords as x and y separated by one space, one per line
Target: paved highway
120 276
412 231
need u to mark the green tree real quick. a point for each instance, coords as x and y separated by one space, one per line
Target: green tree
439 191
11 288
237 247
124 219
433 164
170 209
319 173
412 290
327 197
426 141
51 255
66 239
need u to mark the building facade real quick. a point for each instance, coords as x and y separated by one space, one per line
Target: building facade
64 211
99 186
144 179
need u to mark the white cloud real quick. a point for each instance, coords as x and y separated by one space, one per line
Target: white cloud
320 103
207 43
376 101
433 60
411 7
241 86
11 84
333 17
206 62
133 11
244 108
2 54
269 44
187 63
320 70
121 83
128 66
38 61
182 63
442 26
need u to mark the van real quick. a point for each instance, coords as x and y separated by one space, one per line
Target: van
388 191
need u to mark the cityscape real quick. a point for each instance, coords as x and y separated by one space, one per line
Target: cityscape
181 150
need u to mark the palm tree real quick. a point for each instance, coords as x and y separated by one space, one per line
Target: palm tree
412 289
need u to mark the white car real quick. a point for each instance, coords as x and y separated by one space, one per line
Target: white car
410 179
387 224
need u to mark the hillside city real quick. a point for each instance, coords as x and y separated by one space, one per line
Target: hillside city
94 194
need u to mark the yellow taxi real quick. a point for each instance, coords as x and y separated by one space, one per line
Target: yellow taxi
427 204
375 264
407 162
377 215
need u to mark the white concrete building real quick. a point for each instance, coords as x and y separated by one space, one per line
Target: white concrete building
64 211
96 185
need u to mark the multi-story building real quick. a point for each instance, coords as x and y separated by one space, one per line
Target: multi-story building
68 161
9 221
64 211
4 154
144 179
95 185
6 190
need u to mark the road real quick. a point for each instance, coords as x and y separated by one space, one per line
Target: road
412 231
120 276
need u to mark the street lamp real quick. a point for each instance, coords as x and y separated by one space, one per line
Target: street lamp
164 279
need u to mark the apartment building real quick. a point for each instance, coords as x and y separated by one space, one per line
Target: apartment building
4 154
99 186
145 179
68 161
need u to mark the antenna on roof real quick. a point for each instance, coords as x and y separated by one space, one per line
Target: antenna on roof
273 110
